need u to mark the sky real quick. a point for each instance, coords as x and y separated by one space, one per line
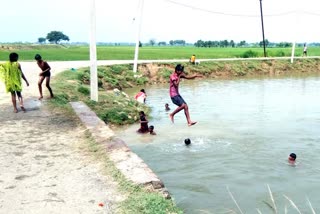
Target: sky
162 20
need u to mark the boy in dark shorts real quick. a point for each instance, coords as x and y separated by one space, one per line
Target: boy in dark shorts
174 93
44 74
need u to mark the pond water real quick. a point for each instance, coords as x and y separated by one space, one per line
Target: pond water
246 129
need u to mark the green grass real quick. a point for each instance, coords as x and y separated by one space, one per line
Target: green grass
70 86
61 53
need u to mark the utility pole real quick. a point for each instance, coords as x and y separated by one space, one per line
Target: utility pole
93 54
264 43
136 53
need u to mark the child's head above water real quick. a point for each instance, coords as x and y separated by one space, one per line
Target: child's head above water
187 141
292 157
167 106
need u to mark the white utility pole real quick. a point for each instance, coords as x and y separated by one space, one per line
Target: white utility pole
292 52
136 53
93 54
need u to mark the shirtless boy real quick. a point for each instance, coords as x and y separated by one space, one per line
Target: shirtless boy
176 98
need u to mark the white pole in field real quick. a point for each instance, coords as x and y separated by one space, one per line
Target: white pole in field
136 53
292 52
93 54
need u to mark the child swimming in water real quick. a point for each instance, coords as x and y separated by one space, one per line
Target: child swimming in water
292 159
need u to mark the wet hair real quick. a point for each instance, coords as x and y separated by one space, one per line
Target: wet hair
293 155
151 127
142 90
166 104
37 57
13 57
187 141
179 67
141 112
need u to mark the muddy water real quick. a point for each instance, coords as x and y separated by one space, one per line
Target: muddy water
246 129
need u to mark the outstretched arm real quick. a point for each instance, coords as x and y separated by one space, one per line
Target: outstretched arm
190 77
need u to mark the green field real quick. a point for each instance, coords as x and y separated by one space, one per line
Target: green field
63 53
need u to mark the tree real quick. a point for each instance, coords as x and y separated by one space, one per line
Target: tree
199 43
232 44
162 43
242 43
152 42
41 40
140 44
265 41
56 37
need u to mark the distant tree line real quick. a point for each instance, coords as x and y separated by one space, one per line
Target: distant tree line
225 43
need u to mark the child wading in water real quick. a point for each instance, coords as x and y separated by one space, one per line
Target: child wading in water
11 74
44 74
143 123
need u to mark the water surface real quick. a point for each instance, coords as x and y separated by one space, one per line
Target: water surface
246 130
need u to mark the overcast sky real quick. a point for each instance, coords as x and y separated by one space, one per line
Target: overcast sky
163 20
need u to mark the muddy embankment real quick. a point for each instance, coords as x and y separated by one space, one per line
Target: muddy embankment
159 72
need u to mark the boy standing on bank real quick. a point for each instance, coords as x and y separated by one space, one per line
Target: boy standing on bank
44 74
175 78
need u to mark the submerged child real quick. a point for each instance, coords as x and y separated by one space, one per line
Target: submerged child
187 142
151 130
166 106
11 74
292 159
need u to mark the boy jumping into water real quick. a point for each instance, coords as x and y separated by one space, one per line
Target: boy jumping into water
174 93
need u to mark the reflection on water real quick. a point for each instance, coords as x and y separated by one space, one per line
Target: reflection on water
246 130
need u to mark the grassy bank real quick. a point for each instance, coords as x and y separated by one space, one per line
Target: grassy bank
138 199
67 53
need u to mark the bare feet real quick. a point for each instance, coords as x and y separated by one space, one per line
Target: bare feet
171 118
192 123
23 109
40 98
15 110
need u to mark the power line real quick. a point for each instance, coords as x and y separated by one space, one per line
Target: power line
241 15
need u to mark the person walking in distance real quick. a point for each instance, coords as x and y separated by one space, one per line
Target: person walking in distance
305 48
176 98
44 74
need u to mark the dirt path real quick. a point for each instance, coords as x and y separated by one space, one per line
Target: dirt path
43 167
